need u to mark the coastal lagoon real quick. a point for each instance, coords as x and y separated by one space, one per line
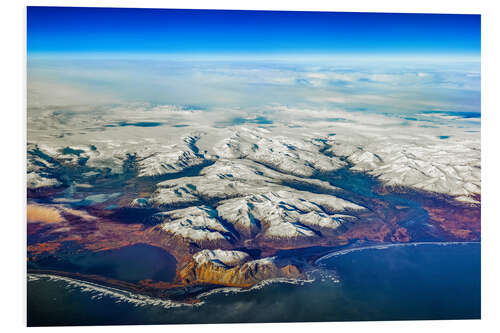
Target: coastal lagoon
258 166
407 282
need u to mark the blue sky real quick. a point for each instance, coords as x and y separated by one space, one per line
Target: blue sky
129 31
387 63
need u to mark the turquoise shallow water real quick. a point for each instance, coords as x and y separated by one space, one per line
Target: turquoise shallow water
426 281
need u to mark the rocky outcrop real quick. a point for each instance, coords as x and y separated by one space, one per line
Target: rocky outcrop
233 268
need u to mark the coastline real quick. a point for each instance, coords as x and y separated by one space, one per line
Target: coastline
180 295
388 245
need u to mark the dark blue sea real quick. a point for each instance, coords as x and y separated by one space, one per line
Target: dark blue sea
409 282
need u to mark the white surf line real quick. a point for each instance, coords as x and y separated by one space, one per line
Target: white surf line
385 246
99 291
257 286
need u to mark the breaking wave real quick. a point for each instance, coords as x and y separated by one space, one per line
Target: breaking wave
386 246
121 296
257 286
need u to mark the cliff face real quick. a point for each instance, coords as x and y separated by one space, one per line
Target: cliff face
213 267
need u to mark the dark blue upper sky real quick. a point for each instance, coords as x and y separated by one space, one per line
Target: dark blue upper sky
72 29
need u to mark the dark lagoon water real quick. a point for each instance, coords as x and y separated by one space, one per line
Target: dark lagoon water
410 282
130 263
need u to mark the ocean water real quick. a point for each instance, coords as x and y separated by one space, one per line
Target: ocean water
411 282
